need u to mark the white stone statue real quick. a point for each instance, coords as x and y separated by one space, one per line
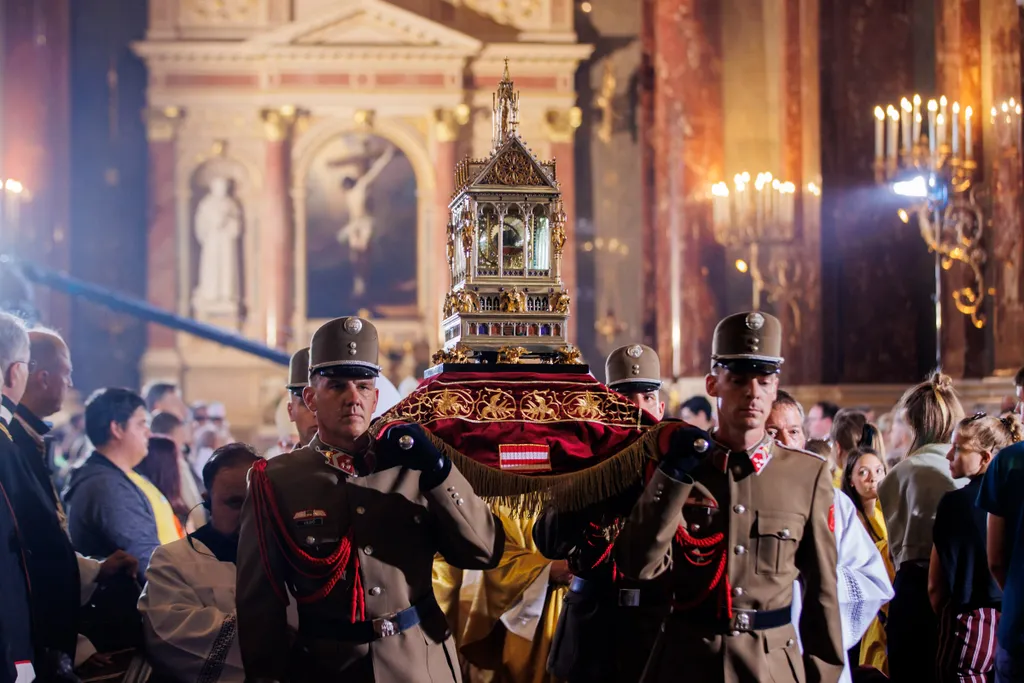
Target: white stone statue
218 227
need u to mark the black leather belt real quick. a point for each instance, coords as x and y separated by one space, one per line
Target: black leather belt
743 620
366 631
623 597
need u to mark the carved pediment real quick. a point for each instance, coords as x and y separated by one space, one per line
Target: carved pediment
514 165
367 22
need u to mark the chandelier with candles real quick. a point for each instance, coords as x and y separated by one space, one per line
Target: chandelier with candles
925 153
757 212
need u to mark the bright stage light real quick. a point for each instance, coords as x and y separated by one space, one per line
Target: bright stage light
915 187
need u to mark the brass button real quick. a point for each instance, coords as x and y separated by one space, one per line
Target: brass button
455 496
417 519
459 502
368 550
785 533
360 510
739 509
375 590
737 591
790 643
310 540
450 489
740 550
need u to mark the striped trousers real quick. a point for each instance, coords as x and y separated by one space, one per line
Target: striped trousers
967 645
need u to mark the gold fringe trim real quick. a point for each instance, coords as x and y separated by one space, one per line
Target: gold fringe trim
527 495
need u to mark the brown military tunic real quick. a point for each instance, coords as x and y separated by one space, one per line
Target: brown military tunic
775 524
395 532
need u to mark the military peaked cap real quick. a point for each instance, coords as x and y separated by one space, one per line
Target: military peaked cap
298 369
345 347
632 369
748 342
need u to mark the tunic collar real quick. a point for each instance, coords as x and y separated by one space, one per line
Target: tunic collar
758 455
351 463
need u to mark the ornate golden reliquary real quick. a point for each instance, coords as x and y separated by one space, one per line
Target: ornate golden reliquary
506 233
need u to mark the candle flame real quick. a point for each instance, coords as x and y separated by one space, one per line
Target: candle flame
720 190
917 100
940 119
943 100
956 107
905 103
879 114
14 186
968 113
933 105
1005 107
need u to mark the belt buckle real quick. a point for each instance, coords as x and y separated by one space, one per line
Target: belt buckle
385 627
743 620
629 597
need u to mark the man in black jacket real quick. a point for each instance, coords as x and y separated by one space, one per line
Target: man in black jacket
53 567
15 610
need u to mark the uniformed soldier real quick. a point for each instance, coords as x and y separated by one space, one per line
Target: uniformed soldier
349 529
608 623
732 578
635 372
298 412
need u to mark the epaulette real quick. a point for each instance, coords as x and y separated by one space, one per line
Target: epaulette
801 451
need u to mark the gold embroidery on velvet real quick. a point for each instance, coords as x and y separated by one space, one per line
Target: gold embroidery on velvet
496 405
541 406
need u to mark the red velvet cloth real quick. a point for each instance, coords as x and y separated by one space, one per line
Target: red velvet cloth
581 421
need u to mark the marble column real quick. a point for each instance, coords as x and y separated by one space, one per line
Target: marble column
683 149
446 141
959 77
162 238
1001 40
561 129
276 255
876 274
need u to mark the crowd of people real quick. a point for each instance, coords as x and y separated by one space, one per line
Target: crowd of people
145 543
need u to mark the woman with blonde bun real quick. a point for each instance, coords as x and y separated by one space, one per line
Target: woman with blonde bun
961 588
909 496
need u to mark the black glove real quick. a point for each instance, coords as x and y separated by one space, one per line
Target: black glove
53 666
409 446
688 446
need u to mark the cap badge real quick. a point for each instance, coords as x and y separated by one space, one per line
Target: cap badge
354 325
634 351
755 321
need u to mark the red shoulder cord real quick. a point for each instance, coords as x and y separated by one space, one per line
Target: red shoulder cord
595 538
330 569
700 552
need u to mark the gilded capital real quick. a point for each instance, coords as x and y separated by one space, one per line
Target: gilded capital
447 122
162 123
277 123
561 124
